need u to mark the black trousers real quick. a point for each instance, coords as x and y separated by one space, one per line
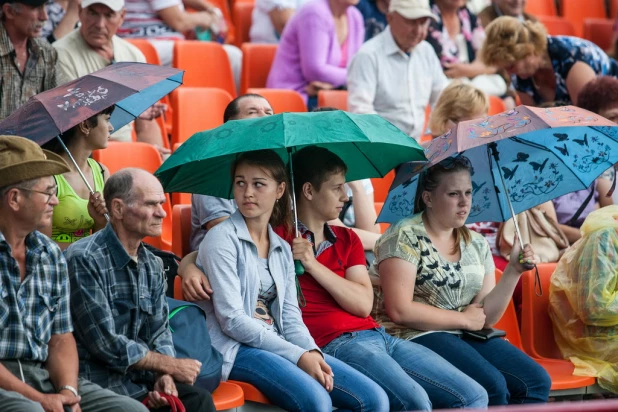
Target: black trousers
193 398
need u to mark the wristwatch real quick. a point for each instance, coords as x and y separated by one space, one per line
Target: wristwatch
70 389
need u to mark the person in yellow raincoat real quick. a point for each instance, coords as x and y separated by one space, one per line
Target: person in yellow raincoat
583 299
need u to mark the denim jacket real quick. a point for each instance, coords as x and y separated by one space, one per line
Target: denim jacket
229 259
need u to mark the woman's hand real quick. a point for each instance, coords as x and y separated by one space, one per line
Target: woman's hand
195 285
475 316
315 366
520 260
314 87
97 209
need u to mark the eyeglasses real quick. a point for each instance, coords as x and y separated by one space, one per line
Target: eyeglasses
48 194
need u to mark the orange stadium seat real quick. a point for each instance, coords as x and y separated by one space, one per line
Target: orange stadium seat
541 8
613 9
242 17
177 197
576 11
197 109
496 105
228 396
600 32
378 206
205 63
282 100
381 186
558 26
333 98
181 230
256 61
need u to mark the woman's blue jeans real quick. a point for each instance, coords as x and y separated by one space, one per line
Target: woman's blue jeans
509 375
413 377
289 387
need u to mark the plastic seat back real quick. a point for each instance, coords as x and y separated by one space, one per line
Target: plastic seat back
542 8
242 17
508 322
197 109
282 100
576 11
536 326
205 64
557 26
496 105
256 62
181 229
147 49
337 99
600 32
378 207
381 185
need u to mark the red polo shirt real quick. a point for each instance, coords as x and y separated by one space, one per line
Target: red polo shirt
325 319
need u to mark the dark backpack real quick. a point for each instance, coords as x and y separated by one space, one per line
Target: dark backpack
191 340
170 266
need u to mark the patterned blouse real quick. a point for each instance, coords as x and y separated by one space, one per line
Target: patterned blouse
439 282
564 52
444 46
55 14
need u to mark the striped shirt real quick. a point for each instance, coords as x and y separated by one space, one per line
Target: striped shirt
142 20
39 75
120 311
37 307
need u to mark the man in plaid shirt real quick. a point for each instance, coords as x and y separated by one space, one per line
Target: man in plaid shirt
38 358
118 301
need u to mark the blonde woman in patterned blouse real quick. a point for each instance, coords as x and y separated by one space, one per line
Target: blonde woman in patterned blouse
437 280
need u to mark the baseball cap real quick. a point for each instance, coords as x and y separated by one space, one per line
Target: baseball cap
115 5
411 9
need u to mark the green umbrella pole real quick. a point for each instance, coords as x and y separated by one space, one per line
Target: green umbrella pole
298 265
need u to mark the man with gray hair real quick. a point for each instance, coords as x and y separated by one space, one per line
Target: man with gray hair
118 301
38 358
27 62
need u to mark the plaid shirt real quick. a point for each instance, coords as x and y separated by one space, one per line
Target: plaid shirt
39 75
32 310
119 310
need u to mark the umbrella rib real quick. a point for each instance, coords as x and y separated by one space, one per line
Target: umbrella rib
505 190
369 160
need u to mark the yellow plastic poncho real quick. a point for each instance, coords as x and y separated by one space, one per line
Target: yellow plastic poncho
583 298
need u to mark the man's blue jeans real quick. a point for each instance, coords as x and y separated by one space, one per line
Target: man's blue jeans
413 377
289 387
509 375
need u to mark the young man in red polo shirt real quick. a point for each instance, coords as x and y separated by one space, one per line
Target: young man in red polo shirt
338 297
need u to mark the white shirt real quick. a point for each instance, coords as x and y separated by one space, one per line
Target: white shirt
383 79
262 28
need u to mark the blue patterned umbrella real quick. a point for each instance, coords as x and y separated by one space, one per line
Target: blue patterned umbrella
520 158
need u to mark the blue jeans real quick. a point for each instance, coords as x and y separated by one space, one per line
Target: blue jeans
289 387
413 377
509 375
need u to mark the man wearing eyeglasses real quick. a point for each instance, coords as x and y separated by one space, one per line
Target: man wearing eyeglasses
38 355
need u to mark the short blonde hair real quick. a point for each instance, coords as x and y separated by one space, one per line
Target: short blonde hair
510 40
457 101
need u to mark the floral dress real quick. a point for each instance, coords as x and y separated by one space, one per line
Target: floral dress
564 52
447 50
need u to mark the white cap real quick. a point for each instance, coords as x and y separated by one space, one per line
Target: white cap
115 5
410 9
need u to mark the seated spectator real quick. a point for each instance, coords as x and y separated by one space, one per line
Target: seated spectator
270 17
438 280
582 300
374 15
38 359
62 17
78 211
255 321
93 46
458 102
162 23
456 37
398 56
339 298
27 62
118 302
318 43
543 68
497 8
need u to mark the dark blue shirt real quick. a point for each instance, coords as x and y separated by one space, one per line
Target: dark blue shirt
375 20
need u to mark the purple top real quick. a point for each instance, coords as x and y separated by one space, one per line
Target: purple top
568 204
309 51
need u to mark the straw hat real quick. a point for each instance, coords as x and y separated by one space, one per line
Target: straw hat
22 159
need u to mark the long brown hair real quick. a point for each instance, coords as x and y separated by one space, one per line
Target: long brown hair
431 178
270 161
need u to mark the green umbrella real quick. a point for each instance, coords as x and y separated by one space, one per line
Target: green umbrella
369 145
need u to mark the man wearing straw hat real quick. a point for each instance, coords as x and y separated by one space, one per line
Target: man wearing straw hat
38 355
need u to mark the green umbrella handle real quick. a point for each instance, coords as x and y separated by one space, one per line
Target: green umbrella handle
298 267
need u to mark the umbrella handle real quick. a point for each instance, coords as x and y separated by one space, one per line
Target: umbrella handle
298 267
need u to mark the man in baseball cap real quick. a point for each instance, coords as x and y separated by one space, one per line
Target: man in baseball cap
397 73
38 356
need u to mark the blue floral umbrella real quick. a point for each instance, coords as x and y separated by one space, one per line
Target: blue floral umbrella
520 159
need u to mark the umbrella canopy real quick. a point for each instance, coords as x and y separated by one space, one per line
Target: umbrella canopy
369 145
132 87
533 154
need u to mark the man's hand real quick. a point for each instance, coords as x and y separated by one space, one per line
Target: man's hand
314 87
315 366
195 285
156 401
163 384
302 250
154 111
55 402
186 370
